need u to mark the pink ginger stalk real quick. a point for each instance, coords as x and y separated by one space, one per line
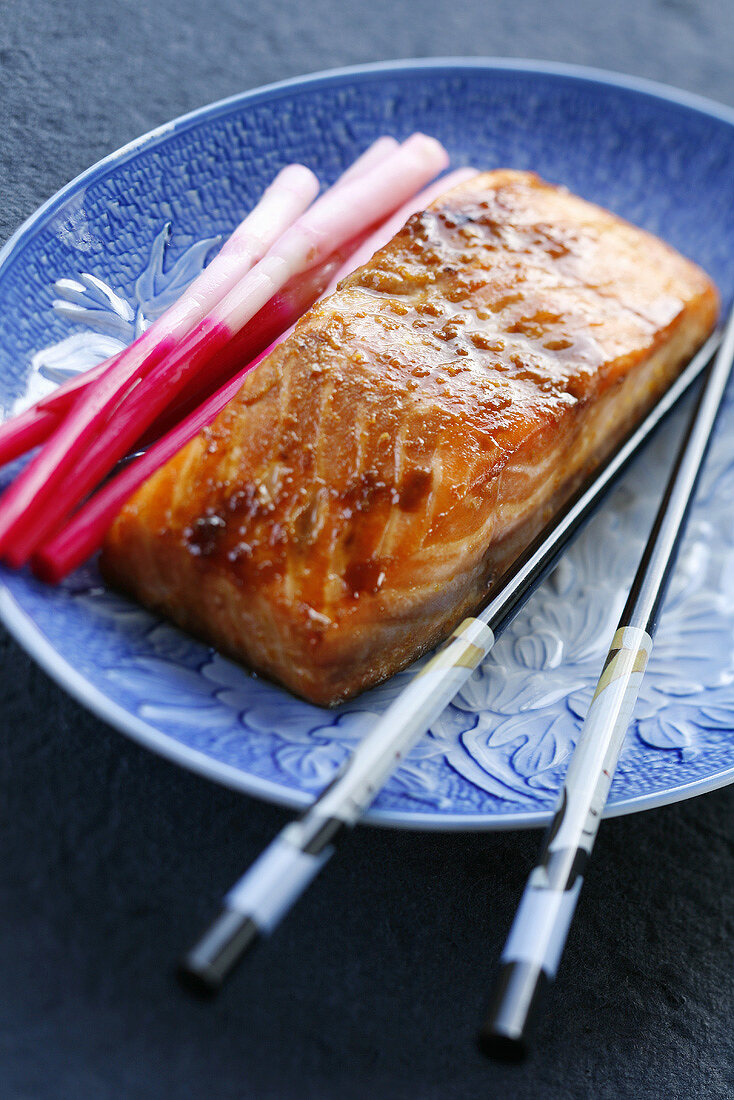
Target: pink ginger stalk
34 425
380 149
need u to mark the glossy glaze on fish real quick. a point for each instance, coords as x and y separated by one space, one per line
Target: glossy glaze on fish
379 470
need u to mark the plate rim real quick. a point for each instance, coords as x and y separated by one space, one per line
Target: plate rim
31 638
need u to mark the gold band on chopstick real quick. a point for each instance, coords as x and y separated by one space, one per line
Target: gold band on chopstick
628 654
467 646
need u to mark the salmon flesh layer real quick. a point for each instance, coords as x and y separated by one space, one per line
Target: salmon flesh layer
379 470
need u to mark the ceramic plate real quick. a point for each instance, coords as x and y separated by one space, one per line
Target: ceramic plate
108 254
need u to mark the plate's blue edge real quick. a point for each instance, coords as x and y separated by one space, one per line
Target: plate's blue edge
28 635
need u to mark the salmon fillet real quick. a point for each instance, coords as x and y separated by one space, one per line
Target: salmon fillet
380 469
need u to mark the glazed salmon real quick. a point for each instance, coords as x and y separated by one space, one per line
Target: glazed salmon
381 468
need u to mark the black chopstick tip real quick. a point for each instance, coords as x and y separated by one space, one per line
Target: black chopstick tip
204 969
504 1034
201 983
501 1047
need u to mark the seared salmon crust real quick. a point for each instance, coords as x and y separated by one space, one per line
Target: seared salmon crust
379 470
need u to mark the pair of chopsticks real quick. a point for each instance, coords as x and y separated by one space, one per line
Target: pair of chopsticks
262 897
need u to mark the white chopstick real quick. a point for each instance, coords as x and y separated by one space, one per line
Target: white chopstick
533 949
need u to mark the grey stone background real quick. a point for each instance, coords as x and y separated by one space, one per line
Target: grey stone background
111 859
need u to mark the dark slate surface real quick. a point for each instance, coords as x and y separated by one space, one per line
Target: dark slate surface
111 859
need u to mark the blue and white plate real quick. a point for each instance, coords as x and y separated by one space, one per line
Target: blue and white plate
108 253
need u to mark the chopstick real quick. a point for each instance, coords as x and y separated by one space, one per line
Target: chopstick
538 934
265 893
